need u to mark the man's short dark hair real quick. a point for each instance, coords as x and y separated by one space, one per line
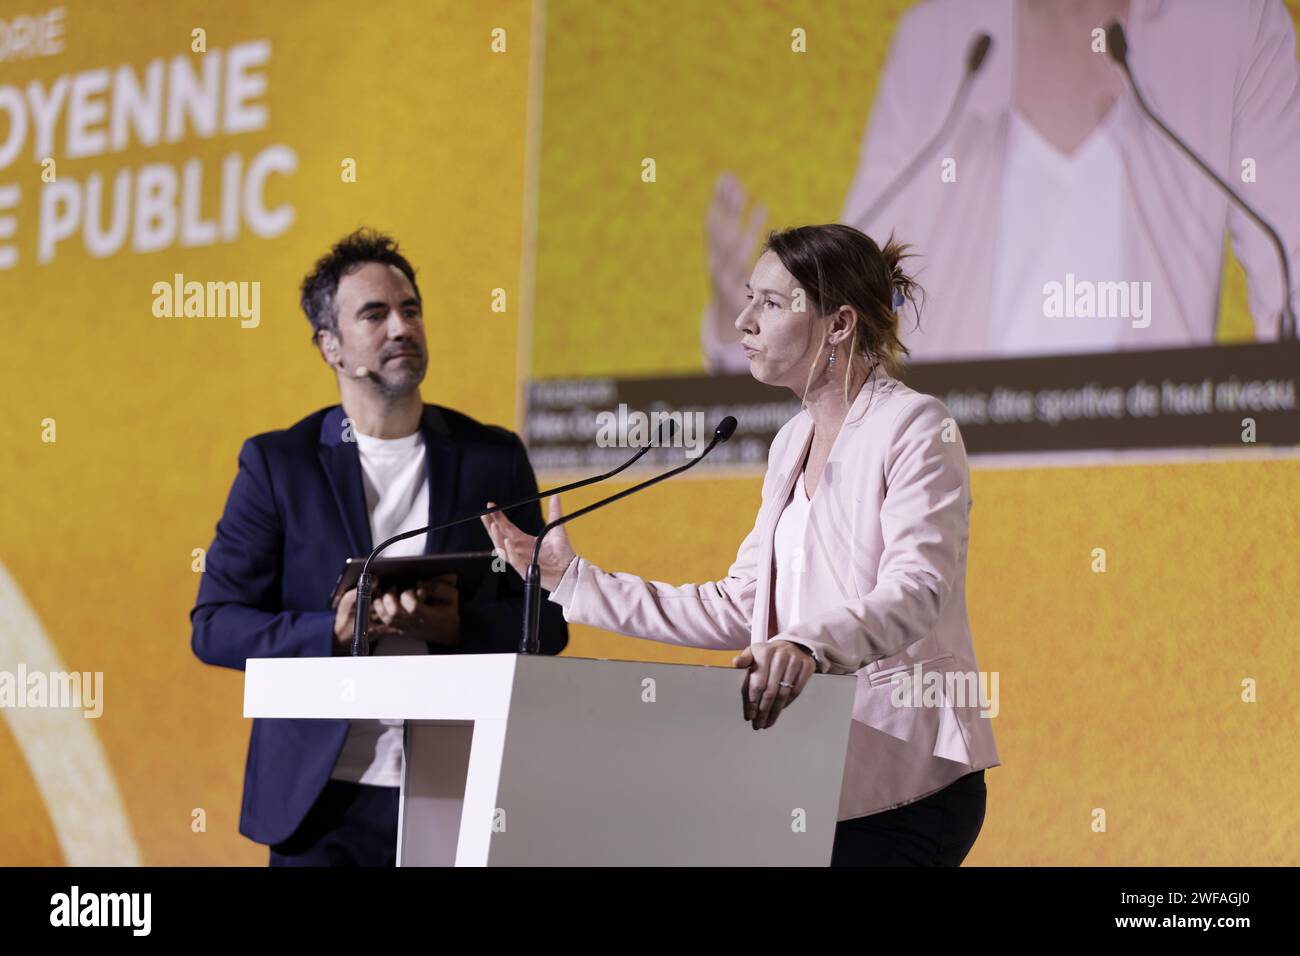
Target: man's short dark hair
349 254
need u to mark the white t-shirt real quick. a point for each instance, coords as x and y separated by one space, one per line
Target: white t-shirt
396 483
790 563
1060 216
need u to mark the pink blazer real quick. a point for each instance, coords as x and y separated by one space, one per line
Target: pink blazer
883 588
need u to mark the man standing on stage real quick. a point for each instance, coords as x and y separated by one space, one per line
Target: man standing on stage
325 792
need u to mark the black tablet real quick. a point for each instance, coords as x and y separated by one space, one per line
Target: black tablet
390 574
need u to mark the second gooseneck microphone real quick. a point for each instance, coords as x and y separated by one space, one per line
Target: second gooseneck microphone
1117 48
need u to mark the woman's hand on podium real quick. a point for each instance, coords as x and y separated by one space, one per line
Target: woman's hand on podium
516 546
778 673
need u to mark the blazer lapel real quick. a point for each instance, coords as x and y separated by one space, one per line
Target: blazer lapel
442 460
341 462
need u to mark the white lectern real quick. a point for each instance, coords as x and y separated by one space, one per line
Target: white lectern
531 760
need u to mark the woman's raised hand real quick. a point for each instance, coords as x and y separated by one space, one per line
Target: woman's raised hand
516 546
731 239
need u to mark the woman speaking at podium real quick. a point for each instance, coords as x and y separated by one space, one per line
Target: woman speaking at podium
856 562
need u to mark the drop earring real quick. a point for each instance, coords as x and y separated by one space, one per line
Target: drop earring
831 361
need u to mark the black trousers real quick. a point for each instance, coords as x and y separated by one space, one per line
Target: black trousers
937 830
350 824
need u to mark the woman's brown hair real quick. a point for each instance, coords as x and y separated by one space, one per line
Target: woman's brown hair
836 266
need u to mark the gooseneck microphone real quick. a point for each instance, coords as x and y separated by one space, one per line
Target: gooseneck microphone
365 583
976 54
528 644
1117 47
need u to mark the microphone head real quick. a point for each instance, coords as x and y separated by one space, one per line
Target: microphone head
978 52
361 372
726 428
1116 43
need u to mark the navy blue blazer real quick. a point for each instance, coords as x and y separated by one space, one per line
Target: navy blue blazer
295 513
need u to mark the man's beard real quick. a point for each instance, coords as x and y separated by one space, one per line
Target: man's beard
400 382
